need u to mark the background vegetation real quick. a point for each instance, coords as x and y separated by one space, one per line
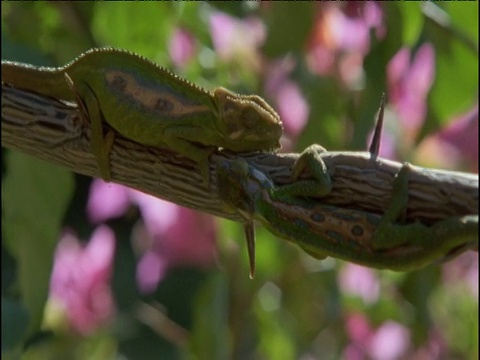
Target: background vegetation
156 281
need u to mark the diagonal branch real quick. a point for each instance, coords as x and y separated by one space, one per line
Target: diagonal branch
53 131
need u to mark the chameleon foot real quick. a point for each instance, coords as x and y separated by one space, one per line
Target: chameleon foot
310 159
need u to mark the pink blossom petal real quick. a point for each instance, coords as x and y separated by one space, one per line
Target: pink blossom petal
321 60
359 281
396 69
278 73
191 241
351 68
232 37
98 254
455 146
352 34
287 97
353 352
80 280
180 237
106 201
373 15
341 39
292 107
222 30
150 271
358 328
422 71
391 341
158 215
462 134
409 84
181 47
464 268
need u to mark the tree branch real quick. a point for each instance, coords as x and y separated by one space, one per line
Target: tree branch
53 131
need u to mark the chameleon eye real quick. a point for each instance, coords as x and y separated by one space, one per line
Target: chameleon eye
250 117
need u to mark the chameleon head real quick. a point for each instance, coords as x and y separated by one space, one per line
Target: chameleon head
250 123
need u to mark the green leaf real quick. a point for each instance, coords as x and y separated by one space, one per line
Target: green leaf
35 197
464 17
413 18
289 25
210 336
14 323
153 23
456 86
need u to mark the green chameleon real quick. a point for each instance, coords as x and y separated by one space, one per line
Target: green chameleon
322 230
152 106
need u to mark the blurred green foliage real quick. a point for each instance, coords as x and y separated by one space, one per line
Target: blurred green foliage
295 307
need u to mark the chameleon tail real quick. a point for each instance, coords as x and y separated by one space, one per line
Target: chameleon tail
49 82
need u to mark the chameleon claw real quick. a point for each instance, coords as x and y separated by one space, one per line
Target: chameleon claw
249 229
311 160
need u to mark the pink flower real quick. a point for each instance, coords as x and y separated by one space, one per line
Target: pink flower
173 235
359 331
390 341
80 280
462 135
409 81
238 40
287 97
358 328
181 47
341 38
351 25
180 237
463 269
106 201
455 146
359 281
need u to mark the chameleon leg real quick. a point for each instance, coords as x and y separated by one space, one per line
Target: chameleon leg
177 140
90 112
311 160
395 212
422 245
